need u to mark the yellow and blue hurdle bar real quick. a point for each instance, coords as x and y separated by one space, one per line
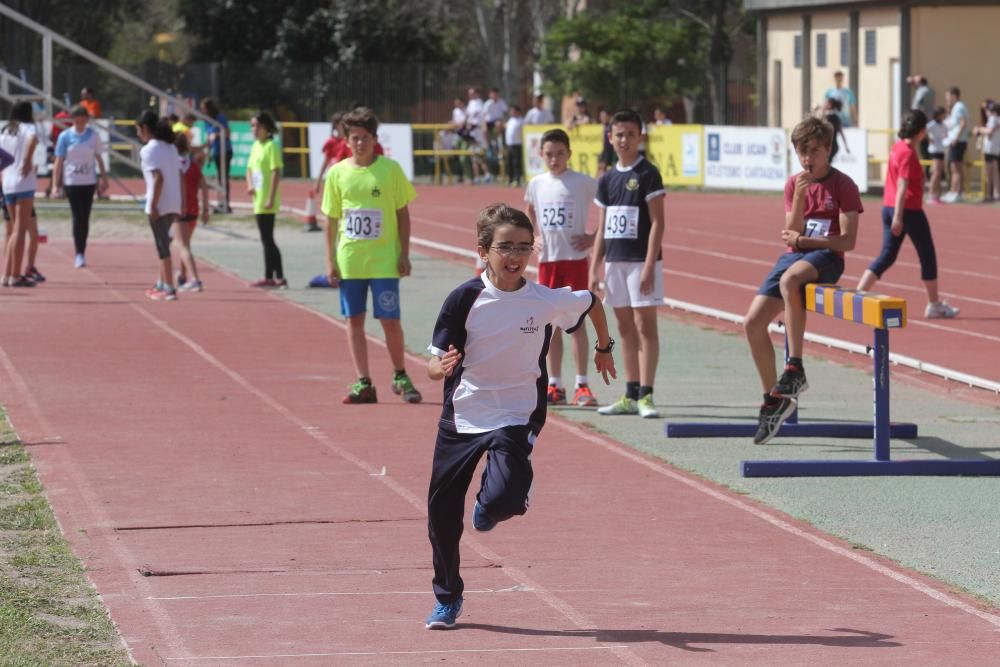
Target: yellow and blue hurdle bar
881 313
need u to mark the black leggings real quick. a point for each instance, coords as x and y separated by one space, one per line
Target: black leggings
229 170
915 226
81 200
272 256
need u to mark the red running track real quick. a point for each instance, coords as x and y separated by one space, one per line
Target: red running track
231 511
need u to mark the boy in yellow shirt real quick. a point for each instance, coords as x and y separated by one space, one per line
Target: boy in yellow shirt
368 248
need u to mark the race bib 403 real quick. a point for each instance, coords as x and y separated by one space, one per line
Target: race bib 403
363 223
621 222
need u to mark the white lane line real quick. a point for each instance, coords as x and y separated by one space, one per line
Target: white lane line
836 343
274 656
223 596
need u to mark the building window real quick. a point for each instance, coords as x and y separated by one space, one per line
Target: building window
821 49
869 47
845 49
797 60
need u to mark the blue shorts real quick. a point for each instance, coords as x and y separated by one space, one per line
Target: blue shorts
385 297
829 265
11 199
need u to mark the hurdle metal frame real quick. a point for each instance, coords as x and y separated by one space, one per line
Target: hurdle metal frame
881 430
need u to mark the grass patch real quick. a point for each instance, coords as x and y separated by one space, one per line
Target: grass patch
49 612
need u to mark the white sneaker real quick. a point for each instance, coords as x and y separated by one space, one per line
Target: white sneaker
940 310
647 410
79 262
949 197
623 406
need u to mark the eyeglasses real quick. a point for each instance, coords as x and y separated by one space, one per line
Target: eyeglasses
507 250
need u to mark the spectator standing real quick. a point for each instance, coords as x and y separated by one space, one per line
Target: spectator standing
608 157
263 180
959 129
19 139
514 139
331 148
923 100
78 163
848 101
220 147
494 111
990 134
937 135
90 102
903 215
582 114
831 114
660 117
538 114
161 169
475 126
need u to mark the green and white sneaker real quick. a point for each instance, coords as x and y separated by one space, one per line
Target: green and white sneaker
402 385
646 408
623 406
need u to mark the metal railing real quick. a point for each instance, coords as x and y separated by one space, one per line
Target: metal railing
50 37
442 156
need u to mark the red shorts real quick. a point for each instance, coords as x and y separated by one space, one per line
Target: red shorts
574 273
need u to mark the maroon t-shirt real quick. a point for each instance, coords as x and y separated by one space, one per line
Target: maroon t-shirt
825 200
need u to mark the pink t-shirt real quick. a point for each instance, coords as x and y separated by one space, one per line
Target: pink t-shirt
904 163
826 199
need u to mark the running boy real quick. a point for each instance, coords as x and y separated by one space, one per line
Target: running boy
558 201
368 248
488 345
821 224
628 244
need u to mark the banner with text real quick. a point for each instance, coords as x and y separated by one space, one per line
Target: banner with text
396 140
586 142
745 158
242 139
676 152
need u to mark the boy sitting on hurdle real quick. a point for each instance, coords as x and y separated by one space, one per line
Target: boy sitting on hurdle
821 224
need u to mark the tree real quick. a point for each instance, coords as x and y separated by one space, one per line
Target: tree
631 53
646 49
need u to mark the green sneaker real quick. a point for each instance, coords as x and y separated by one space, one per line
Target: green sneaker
646 408
623 406
362 391
402 385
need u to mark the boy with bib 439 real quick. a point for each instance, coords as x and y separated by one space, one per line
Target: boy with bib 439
368 248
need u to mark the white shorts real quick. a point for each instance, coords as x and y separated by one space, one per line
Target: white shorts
621 285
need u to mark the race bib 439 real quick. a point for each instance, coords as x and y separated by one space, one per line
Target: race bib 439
621 222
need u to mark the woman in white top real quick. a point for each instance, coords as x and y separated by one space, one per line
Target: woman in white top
990 133
19 139
78 151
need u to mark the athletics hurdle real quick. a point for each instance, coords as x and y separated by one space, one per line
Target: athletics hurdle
881 313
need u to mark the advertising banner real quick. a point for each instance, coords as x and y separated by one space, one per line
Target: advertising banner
396 140
852 158
745 158
586 142
676 152
242 139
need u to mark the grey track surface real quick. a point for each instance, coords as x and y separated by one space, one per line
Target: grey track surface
945 527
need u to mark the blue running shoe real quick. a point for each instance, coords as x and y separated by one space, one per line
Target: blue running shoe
481 521
444 615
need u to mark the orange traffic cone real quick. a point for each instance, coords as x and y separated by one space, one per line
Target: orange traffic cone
311 224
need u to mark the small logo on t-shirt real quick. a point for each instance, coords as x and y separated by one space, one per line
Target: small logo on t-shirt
633 184
828 203
376 192
530 326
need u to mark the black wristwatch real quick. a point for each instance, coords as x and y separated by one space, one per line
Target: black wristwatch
606 350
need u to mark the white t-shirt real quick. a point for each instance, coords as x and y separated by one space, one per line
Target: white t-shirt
561 205
474 119
536 116
161 156
458 116
512 131
991 140
494 110
17 145
958 112
937 133
501 336
80 152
